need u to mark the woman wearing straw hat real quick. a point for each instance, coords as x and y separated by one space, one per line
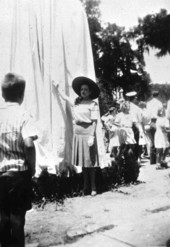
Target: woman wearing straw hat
85 112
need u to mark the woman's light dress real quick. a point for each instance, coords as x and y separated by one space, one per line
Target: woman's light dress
82 155
161 138
126 135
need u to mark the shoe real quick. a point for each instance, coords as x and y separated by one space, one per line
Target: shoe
93 193
164 164
86 192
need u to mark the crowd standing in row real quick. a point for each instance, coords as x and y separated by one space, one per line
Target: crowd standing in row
145 125
128 123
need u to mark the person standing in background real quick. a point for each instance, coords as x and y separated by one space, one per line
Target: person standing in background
153 106
136 114
105 119
167 112
124 121
145 126
161 138
85 113
113 133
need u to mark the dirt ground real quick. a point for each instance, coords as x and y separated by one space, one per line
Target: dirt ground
135 215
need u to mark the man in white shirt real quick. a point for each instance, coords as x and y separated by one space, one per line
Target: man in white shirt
136 114
153 106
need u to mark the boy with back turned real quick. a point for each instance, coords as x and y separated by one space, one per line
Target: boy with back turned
17 162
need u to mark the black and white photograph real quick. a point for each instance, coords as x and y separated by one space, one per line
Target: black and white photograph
85 123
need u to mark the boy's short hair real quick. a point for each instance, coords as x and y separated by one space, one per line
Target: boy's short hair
13 87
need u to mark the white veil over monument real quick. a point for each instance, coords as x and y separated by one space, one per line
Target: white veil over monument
46 40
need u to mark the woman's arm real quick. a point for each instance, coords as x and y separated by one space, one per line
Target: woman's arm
94 124
93 117
62 95
92 134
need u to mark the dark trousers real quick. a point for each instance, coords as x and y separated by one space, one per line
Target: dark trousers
89 176
15 200
152 147
12 229
136 146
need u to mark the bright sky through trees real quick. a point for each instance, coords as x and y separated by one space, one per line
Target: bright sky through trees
126 13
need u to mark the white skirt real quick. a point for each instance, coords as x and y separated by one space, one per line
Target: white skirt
161 139
82 154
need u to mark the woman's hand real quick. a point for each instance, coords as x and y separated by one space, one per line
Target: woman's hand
56 84
61 94
90 141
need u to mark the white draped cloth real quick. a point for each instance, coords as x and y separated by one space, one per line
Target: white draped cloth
46 40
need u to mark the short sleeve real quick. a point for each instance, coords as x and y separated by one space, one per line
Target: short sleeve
134 119
136 115
29 127
154 111
94 111
166 123
168 110
118 119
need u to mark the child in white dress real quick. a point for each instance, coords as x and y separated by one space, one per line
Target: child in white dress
125 122
113 134
161 138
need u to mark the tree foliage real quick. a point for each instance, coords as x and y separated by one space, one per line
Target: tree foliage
117 64
154 31
164 91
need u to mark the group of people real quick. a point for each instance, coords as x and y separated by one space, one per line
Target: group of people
130 123
144 125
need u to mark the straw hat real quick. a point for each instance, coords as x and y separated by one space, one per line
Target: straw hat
81 80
